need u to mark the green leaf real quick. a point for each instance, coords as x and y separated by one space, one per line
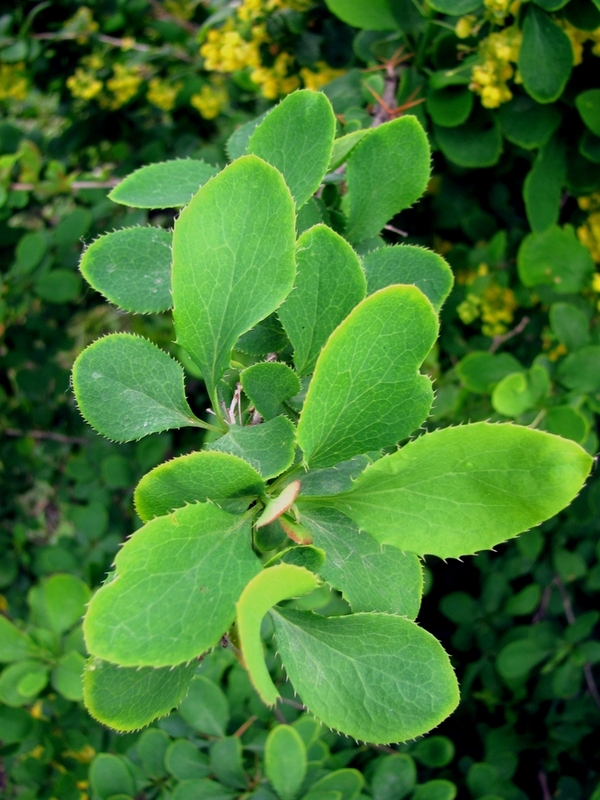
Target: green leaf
567 422
381 677
543 186
329 284
202 789
319 482
168 184
588 105
233 261
127 699
434 751
269 447
151 748
267 385
371 577
580 371
65 598
368 370
438 789
169 602
570 325
269 587
346 782
527 123
127 388
266 337
450 106
131 268
373 15
394 778
456 8
296 137
545 56
459 490
213 476
480 371
476 144
285 761
226 762
185 761
110 775
387 171
59 286
343 146
29 675
520 391
14 644
67 676
205 707
555 257
409 264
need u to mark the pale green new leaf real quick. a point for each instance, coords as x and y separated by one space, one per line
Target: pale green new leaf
173 597
131 268
343 146
387 172
127 388
329 284
214 476
128 698
406 263
459 490
296 137
285 760
233 261
371 576
268 385
168 184
376 677
367 392
269 447
269 587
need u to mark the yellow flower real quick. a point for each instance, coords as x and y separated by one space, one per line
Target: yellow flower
162 94
124 85
497 54
127 42
209 101
84 84
465 26
324 74
82 24
13 83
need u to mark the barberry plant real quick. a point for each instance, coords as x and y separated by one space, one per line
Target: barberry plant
310 335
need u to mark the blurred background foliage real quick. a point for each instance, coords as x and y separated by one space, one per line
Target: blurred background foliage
509 93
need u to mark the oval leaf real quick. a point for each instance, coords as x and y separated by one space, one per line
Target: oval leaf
368 371
296 137
127 388
269 447
131 268
387 172
329 284
381 678
233 261
202 476
168 602
168 184
285 760
545 56
459 490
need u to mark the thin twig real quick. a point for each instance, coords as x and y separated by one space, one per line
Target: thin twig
279 716
499 340
292 703
53 437
243 728
162 13
109 184
543 779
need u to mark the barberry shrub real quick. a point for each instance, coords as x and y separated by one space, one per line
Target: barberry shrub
311 356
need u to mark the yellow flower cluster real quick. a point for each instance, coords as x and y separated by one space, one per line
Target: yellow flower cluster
209 101
497 54
84 84
124 85
226 50
495 305
275 81
324 74
589 233
578 38
13 83
162 94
